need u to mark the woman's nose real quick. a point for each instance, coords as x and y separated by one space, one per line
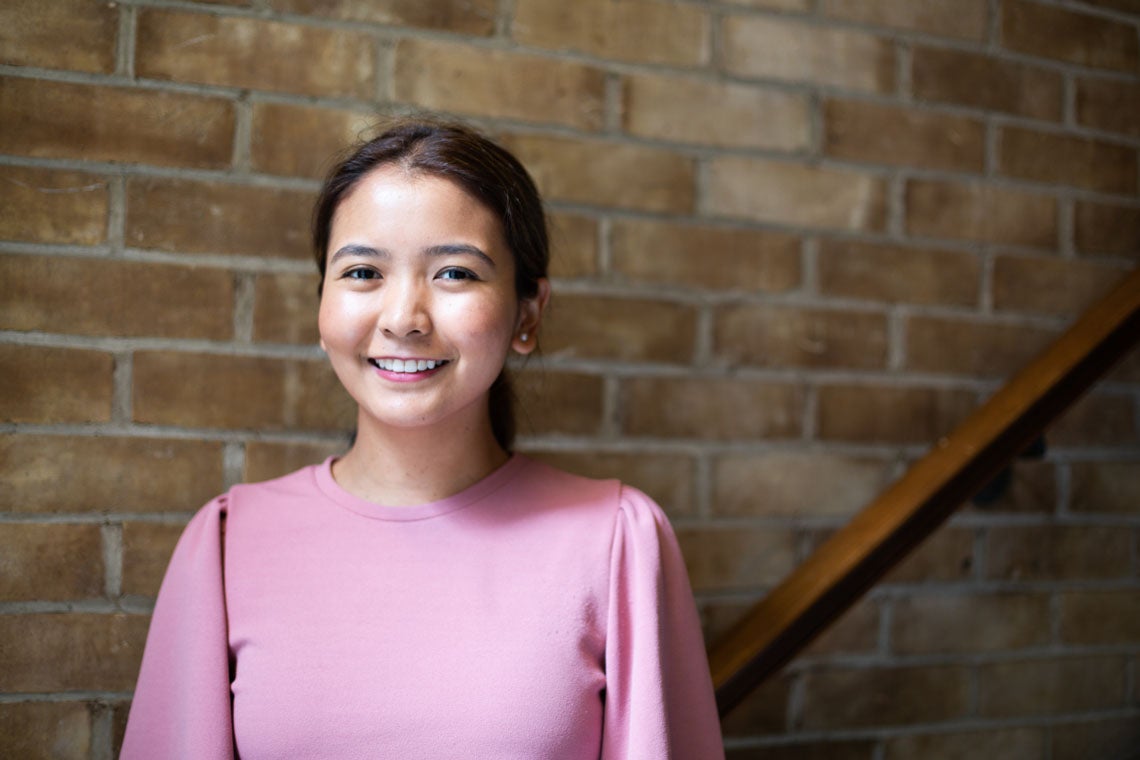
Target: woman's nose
405 310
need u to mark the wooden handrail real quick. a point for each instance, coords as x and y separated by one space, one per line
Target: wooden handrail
876 539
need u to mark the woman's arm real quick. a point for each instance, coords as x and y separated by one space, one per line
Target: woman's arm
181 707
659 695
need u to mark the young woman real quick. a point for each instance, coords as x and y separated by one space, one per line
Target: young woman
428 594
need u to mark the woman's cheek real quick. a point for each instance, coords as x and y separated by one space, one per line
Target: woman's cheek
481 319
344 321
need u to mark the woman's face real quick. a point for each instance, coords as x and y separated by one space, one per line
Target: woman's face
419 308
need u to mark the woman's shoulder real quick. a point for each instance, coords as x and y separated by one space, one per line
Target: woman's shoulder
302 482
610 494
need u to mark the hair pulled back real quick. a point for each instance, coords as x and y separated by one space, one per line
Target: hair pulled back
483 169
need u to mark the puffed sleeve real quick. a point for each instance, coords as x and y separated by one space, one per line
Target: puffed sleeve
659 697
181 707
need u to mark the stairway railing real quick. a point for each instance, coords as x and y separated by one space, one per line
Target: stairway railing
876 539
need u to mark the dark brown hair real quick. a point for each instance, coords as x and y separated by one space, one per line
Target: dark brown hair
485 170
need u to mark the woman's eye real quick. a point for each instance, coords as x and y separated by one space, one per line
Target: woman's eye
361 274
457 273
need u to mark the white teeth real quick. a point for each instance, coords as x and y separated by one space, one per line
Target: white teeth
406 365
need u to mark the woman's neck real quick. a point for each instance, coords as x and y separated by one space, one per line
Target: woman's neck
403 467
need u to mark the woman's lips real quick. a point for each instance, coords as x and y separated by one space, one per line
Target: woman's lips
407 370
407 365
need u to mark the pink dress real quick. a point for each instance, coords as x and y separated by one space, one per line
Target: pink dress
536 614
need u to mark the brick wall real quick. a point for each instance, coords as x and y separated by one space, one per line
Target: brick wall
796 241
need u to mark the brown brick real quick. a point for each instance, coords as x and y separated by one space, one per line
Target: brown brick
786 193
1032 490
317 400
45 730
981 81
1043 687
1057 552
795 484
573 245
978 349
963 20
619 328
1006 743
856 631
895 273
1050 285
772 48
44 206
1108 487
718 616
724 114
669 479
44 561
861 131
31 33
763 711
265 460
229 218
736 558
1105 228
1109 105
862 697
692 256
1066 160
1108 737
1096 420
51 385
70 651
1052 32
182 389
712 408
65 120
146 551
49 474
600 173
285 308
782 336
1100 617
980 212
810 750
303 141
459 16
947 556
777 5
116 298
236 51
969 623
643 31
1127 6
1127 370
499 83
120 711
890 415
568 403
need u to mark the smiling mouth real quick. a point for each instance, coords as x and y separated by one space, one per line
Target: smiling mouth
407 365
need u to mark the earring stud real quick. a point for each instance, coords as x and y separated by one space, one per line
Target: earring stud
523 337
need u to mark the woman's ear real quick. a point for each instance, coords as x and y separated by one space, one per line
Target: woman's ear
525 339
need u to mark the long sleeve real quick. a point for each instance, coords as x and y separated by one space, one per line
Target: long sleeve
181 707
659 696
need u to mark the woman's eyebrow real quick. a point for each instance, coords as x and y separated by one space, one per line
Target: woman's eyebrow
444 249
458 249
353 249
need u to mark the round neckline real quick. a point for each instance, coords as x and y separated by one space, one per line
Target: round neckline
490 483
